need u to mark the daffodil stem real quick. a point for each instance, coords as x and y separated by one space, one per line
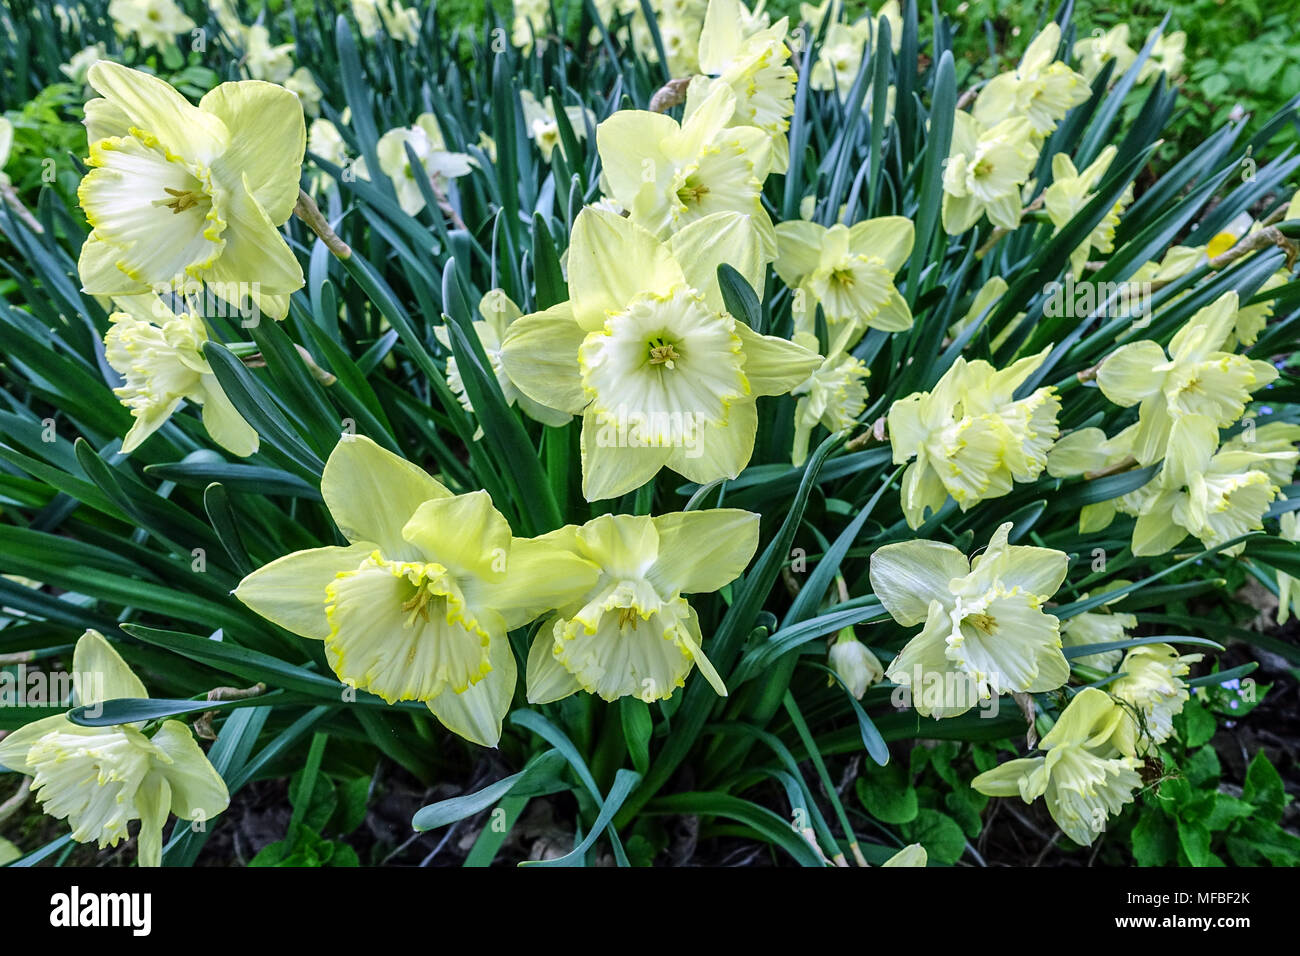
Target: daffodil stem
14 803
310 213
11 200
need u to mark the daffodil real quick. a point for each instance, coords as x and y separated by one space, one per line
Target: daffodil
1102 626
1287 591
752 59
529 23
840 57
911 855
1271 447
418 604
985 170
848 271
854 664
400 23
152 23
1084 779
367 16
1215 496
669 176
1042 88
1088 449
985 634
1151 685
1095 51
265 60
159 353
1195 378
988 295
834 395
438 165
81 62
303 85
633 634
646 352
498 311
325 141
100 779
1167 55
542 127
969 437
1071 191
179 193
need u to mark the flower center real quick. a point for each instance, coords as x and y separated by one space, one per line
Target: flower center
662 353
181 199
692 191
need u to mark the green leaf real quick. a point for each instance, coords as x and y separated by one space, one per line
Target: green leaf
1154 840
888 794
939 833
637 727
1263 788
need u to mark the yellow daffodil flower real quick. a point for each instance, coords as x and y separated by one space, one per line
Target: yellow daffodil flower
752 59
99 779
1167 56
440 165
1095 51
529 24
911 855
265 60
179 193
1195 378
81 62
541 125
1042 88
303 85
632 633
1102 626
1153 689
400 23
848 271
417 605
669 176
160 355
152 23
1215 496
840 56
1071 191
646 352
1272 447
854 663
325 140
1287 590
985 632
834 395
1088 449
969 437
1083 777
498 311
985 170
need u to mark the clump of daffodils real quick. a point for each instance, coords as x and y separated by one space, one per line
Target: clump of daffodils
101 779
985 632
417 605
159 354
1082 774
1152 687
632 633
1102 626
969 438
179 193
646 352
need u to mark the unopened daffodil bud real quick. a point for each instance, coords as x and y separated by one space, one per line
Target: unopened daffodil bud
854 664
